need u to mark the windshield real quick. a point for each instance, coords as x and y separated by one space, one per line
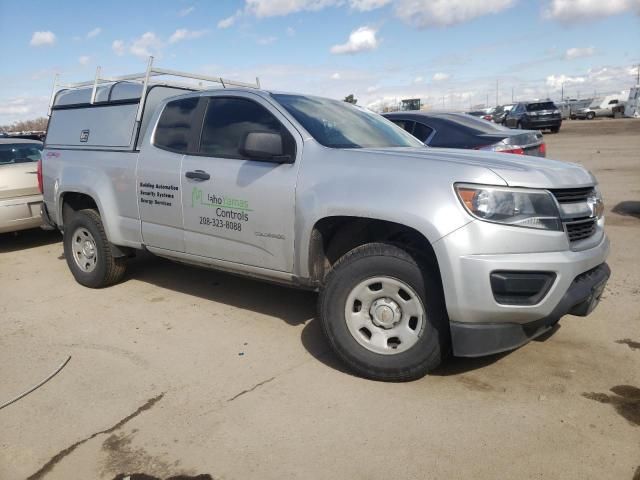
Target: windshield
19 152
338 124
535 107
595 102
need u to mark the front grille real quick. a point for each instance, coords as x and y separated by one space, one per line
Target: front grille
577 228
581 229
567 195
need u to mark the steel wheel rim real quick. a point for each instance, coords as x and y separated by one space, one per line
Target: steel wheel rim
85 253
385 315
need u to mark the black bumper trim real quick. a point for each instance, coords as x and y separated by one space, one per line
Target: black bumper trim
479 339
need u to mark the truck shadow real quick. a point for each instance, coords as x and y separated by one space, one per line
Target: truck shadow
627 208
27 239
293 306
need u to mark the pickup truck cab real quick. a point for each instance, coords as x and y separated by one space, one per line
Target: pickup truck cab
416 252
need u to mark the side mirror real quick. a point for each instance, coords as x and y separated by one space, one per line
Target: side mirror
265 146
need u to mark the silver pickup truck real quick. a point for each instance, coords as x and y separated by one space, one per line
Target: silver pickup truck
416 252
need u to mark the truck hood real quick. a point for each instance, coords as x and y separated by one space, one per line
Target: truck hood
515 170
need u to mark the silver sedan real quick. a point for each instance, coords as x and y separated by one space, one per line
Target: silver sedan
20 197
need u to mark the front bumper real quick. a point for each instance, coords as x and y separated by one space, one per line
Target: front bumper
467 258
20 213
474 340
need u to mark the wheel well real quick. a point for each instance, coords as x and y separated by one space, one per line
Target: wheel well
73 202
332 237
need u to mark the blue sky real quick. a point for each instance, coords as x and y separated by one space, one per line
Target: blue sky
447 52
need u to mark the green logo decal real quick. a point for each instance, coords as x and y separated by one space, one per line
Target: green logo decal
211 200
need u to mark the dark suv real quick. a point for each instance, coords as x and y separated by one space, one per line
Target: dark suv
534 116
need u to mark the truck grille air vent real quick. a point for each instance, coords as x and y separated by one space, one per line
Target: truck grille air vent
577 228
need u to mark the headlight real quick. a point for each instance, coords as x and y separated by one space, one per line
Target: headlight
519 207
596 203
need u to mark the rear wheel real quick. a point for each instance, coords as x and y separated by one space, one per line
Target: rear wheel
554 129
88 252
591 115
383 313
519 125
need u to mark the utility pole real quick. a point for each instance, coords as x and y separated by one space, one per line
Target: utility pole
511 94
638 76
562 92
496 92
487 102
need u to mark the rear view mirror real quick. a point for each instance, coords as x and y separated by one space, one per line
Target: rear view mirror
265 146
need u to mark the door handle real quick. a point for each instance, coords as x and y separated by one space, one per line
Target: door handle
199 175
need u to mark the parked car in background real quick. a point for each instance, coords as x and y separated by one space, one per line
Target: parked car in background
577 105
20 198
460 130
500 113
536 115
599 107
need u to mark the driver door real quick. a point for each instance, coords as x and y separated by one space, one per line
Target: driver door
237 208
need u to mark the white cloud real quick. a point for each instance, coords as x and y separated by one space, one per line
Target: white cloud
571 11
428 13
335 76
360 40
184 34
418 79
367 5
441 77
146 45
84 60
186 11
273 8
556 81
291 32
39 39
22 108
266 40
229 21
118 47
94 33
572 53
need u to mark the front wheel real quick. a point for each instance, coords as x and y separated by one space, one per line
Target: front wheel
591 116
88 252
382 311
554 129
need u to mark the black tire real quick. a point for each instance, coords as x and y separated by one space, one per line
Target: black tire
554 129
591 116
519 125
379 259
108 270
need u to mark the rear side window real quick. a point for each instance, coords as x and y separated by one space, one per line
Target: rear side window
19 153
422 131
176 125
227 122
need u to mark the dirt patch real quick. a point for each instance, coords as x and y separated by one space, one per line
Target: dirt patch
629 343
144 476
475 384
626 401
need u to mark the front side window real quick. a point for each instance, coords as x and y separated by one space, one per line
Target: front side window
176 125
406 125
337 124
227 122
19 153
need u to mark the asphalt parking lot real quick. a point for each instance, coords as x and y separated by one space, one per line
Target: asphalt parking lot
184 371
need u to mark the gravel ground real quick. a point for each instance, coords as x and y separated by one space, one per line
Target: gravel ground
184 371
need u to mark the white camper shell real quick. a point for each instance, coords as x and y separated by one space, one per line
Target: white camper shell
114 113
632 107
